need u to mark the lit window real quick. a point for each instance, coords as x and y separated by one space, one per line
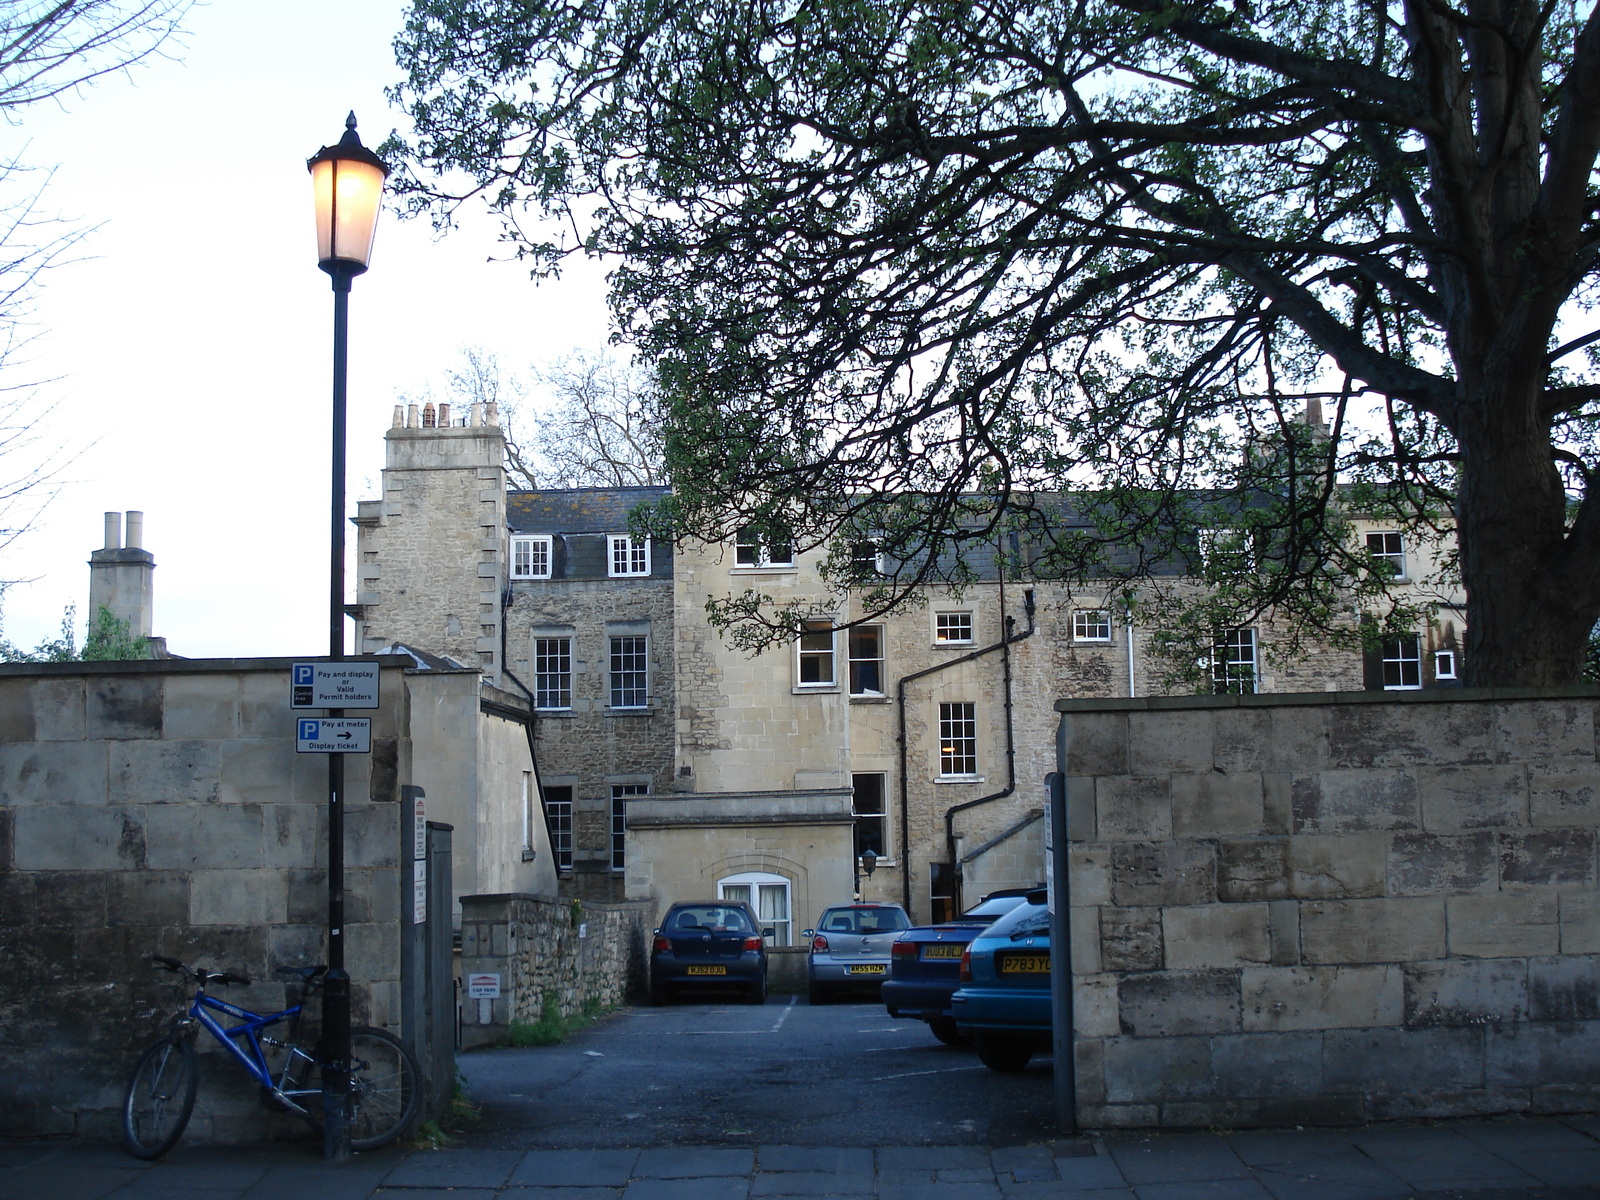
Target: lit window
1444 664
1388 549
866 660
952 627
958 739
530 557
815 647
768 894
629 555
619 818
751 550
1233 662
552 672
558 812
866 805
630 672
1091 625
1402 663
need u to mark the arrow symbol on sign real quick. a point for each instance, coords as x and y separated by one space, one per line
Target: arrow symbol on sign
346 736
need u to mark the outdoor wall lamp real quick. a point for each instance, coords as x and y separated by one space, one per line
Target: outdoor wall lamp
869 861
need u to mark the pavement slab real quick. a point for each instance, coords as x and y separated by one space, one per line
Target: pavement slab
574 1168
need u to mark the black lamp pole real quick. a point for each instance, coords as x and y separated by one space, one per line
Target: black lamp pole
347 180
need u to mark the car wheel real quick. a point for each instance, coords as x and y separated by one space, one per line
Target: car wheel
1001 1053
758 993
944 1028
658 995
815 994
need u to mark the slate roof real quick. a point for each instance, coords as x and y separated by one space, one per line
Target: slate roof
577 510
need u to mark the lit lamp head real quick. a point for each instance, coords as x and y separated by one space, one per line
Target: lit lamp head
347 183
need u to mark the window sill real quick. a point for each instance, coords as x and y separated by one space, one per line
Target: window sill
555 712
643 711
868 698
774 569
958 778
951 645
814 689
1105 641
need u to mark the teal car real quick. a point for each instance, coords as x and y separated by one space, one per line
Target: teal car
1003 1002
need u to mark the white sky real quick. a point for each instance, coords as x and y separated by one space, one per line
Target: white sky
191 343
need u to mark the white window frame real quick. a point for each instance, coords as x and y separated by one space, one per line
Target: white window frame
881 816
874 563
1232 649
1085 618
878 631
1444 664
619 820
532 556
751 552
1382 553
643 671
540 691
944 621
1219 547
630 554
958 740
1404 654
828 656
753 881
558 814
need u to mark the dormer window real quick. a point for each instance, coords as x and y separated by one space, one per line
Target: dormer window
627 555
530 556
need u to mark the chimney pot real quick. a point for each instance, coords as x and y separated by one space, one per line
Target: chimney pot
135 530
114 531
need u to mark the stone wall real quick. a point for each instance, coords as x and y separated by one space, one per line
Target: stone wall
1334 908
586 952
160 807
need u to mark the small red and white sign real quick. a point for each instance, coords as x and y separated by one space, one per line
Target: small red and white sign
483 987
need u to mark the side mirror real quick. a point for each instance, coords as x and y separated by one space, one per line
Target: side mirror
768 931
808 934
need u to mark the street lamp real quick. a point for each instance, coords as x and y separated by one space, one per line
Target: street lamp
347 184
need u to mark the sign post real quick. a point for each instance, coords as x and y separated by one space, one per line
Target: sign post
1057 880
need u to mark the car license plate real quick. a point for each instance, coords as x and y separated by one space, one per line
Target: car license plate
943 950
865 969
1025 964
708 970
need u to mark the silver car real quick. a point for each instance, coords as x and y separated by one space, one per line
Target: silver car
850 948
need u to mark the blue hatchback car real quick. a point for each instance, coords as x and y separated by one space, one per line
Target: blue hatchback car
1004 998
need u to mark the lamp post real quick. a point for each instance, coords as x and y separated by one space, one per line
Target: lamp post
347 184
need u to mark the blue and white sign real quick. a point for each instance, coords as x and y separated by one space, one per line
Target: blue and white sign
333 735
333 685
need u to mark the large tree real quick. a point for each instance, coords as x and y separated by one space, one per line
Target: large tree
935 249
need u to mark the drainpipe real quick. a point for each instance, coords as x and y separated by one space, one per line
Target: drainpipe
528 730
1011 743
1127 621
900 737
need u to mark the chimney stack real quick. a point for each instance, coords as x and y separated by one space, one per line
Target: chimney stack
120 577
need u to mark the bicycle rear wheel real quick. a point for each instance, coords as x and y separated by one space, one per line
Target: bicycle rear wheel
384 1089
160 1097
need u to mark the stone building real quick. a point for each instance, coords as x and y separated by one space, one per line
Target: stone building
674 763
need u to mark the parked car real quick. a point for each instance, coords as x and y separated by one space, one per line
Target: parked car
850 948
709 946
925 964
1004 998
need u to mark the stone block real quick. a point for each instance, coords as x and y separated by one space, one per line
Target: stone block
256 898
1283 999
1091 874
78 838
1353 801
1216 935
293 835
1130 939
1339 867
1213 804
1166 873
1402 1060
58 710
1565 988
1174 1004
1242 740
263 706
372 950
1433 864
1089 1061
162 772
1536 729
1457 798
1548 858
1094 1006
1150 1070
1466 991
200 707
1563 793
1267 1064
1566 1098
258 770
1504 925
16 711
1544 1054
372 835
1277 803
1390 930
1133 807
1119 1116
1282 1112
1252 869
1580 923
1169 741
1085 930
1210 1114
1097 744
1367 736
73 899
215 836
1457 1103
53 773
120 707
1285 917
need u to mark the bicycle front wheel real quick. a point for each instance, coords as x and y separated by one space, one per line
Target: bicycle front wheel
160 1097
384 1088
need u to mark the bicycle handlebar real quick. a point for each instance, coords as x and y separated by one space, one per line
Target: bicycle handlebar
202 976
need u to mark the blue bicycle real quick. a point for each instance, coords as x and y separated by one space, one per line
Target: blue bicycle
161 1091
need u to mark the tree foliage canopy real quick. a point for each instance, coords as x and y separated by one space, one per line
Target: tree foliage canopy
937 250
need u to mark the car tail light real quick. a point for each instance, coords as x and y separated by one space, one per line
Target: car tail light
660 945
752 943
903 949
819 942
966 965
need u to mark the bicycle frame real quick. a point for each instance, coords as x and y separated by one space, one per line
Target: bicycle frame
247 1034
